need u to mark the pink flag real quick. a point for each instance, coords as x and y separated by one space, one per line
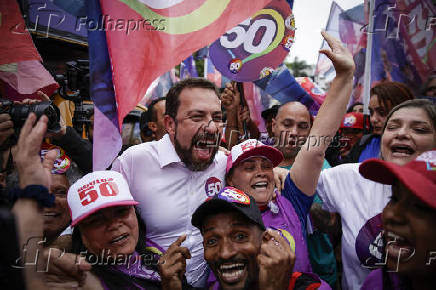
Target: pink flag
20 67
27 77
141 50
253 98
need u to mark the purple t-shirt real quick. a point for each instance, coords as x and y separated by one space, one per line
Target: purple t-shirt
374 281
133 267
287 221
283 217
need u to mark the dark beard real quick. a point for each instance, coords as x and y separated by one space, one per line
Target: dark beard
186 154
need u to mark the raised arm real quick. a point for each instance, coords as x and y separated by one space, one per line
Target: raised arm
308 163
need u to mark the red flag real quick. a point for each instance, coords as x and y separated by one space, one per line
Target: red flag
16 44
146 38
20 67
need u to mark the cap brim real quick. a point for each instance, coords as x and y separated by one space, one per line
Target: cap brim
215 206
106 205
269 111
387 173
271 153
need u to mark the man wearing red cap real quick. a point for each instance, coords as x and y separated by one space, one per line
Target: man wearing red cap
351 131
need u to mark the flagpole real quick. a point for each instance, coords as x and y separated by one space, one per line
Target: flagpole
368 57
205 68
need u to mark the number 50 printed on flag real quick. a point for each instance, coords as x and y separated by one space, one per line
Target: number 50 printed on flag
254 48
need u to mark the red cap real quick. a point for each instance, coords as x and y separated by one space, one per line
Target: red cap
419 175
352 120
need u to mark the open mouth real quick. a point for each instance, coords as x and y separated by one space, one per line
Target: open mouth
232 273
398 247
119 239
402 150
51 214
204 148
260 185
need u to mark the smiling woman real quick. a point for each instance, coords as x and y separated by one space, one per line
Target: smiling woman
109 232
410 130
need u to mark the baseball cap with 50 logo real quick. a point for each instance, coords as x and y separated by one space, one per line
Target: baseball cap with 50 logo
95 191
229 198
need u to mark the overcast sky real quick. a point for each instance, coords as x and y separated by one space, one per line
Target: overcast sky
310 17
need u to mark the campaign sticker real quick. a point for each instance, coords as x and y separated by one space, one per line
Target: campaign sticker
370 244
429 158
349 121
232 194
213 186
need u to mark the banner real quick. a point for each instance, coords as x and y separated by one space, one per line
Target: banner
317 94
211 73
23 79
188 69
21 71
347 26
164 84
107 138
146 38
59 19
283 87
254 103
255 47
404 47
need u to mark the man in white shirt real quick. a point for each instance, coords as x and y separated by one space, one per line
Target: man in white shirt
171 177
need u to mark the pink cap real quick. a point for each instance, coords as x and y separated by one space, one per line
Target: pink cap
419 175
95 191
252 148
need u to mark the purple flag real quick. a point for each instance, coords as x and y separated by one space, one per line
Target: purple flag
107 137
188 69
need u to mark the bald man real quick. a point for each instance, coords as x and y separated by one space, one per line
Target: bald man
290 128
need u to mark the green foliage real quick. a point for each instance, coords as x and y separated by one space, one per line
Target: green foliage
298 67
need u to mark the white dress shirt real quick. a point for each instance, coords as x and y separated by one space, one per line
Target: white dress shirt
168 194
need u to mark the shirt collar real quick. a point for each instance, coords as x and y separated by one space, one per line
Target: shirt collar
166 151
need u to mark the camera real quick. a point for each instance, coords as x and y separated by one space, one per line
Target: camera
74 86
20 112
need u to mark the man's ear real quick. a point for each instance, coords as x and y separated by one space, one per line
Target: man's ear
273 124
152 126
170 125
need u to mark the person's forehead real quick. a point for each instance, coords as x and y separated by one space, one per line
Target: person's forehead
294 111
199 99
226 221
160 106
58 180
255 159
416 115
376 103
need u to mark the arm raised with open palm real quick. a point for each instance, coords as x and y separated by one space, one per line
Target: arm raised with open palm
308 163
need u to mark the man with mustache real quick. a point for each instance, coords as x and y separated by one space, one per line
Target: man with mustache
171 177
240 251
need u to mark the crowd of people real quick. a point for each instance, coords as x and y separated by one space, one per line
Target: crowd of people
207 201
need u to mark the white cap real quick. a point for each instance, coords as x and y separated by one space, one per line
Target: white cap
97 190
